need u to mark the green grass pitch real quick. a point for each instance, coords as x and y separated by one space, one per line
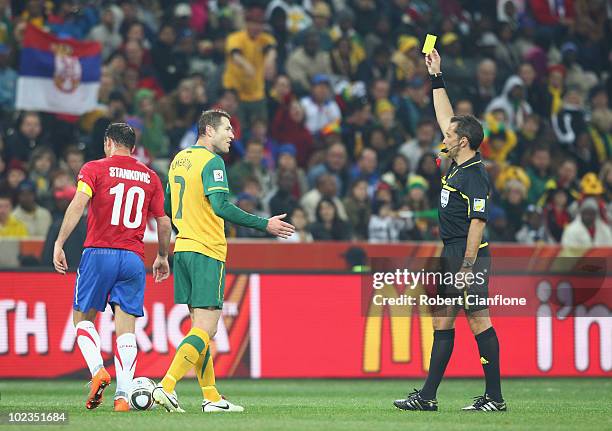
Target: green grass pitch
534 404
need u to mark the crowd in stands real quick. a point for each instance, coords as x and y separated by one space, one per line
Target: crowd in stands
331 108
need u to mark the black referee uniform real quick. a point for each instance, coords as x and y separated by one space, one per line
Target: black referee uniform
464 196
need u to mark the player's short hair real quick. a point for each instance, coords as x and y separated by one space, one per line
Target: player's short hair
211 118
469 127
122 134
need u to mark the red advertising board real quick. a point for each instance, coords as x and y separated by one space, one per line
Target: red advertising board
301 325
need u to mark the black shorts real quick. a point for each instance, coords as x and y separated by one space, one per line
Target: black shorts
451 261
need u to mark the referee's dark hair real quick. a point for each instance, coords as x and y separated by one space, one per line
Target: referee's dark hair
122 134
211 118
469 127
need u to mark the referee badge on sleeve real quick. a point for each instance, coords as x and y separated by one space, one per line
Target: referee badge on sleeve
444 194
479 205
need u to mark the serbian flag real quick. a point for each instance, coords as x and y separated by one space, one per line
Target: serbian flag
58 75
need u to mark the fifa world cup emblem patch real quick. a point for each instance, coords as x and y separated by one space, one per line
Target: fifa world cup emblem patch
218 175
444 194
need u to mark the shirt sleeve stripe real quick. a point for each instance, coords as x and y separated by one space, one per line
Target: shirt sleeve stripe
217 188
82 186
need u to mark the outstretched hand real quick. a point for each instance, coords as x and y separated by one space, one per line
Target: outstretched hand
279 228
433 62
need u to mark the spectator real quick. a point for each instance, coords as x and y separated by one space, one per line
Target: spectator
10 226
556 79
279 95
533 230
15 174
74 160
250 166
556 214
379 67
170 65
358 208
329 226
181 109
36 218
153 137
497 225
575 75
384 144
343 60
356 124
570 121
286 161
299 220
537 96
600 131
297 17
306 62
514 194
366 168
458 69
423 143
106 32
335 164
327 187
397 176
283 202
507 53
384 226
116 113
8 79
464 107
605 176
499 138
321 19
565 179
429 169
42 163
587 230
527 137
512 102
29 136
288 127
251 59
320 107
539 173
484 89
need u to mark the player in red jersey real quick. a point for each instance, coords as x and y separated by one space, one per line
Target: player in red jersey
124 193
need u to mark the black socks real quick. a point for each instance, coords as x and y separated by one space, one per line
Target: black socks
488 348
440 355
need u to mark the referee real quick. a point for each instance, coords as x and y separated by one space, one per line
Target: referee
463 212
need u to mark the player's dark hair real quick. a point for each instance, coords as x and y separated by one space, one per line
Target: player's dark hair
122 134
211 118
469 127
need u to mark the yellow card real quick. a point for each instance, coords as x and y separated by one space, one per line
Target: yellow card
428 46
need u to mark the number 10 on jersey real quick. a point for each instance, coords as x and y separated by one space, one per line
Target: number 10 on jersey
132 193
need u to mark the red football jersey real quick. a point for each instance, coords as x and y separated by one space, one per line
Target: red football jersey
124 194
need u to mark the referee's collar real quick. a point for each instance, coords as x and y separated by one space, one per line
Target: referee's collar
471 161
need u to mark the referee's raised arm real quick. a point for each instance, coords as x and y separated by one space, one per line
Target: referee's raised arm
442 105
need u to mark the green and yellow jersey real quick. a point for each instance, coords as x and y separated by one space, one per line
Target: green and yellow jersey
196 173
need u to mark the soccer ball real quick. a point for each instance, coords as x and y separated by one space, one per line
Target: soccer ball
141 394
